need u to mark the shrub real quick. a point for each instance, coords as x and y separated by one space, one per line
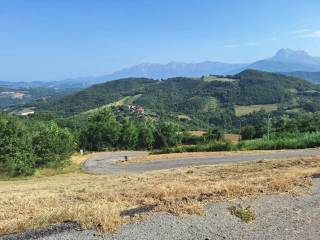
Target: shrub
208 147
145 136
288 141
247 214
188 139
248 132
167 135
214 134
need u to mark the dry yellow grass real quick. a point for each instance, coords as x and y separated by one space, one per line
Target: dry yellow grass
75 166
98 200
244 110
198 133
184 117
234 138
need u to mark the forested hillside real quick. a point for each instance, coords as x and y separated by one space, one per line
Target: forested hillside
205 100
313 77
13 97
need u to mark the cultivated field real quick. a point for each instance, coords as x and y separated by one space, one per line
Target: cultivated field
103 201
214 78
244 110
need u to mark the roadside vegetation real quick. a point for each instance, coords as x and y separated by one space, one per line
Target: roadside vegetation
26 146
47 142
246 214
301 130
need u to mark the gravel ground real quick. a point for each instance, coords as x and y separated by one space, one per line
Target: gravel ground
278 217
103 162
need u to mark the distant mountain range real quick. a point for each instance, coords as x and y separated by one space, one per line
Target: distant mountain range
290 62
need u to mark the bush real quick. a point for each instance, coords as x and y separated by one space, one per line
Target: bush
167 135
248 132
128 135
208 147
145 136
188 139
288 141
214 134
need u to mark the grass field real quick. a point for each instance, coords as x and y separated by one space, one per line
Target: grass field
214 78
126 100
184 117
102 201
122 102
245 110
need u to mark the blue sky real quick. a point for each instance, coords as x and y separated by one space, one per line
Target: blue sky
56 39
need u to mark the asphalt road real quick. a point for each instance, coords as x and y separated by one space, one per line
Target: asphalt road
104 162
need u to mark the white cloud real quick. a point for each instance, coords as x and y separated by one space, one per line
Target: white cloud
313 34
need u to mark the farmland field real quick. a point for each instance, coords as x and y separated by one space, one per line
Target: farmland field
214 78
245 110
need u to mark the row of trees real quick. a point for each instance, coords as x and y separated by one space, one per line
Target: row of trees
261 123
25 146
28 144
104 131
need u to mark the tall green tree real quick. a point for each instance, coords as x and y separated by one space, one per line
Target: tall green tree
248 132
145 136
52 145
167 135
16 155
214 134
103 132
128 135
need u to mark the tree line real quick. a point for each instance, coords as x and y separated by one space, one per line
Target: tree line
27 145
104 131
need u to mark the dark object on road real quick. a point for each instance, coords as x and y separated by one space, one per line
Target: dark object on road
138 210
41 233
126 158
316 175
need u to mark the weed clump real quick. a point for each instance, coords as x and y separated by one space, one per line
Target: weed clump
246 214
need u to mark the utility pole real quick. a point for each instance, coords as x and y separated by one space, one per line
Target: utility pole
240 137
268 126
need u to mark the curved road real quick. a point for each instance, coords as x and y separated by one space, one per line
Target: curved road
104 162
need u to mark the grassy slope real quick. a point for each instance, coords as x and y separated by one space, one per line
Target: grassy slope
244 110
215 78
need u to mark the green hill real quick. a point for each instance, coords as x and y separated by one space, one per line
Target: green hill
313 77
206 102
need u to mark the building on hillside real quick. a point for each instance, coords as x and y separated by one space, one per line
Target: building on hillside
140 110
136 109
25 112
